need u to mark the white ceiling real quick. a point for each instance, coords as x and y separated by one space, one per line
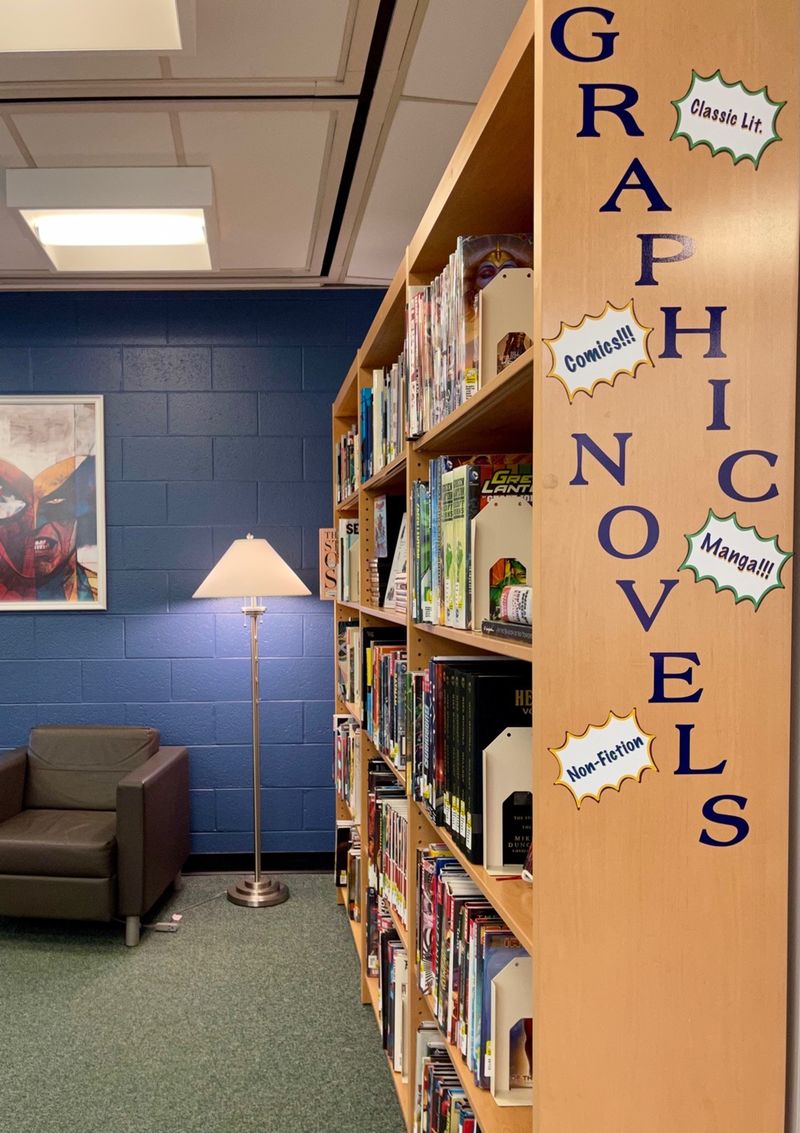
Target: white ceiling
322 163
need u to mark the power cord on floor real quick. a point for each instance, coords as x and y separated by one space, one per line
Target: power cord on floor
174 923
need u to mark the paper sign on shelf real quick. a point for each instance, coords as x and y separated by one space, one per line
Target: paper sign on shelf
735 558
604 755
727 117
599 349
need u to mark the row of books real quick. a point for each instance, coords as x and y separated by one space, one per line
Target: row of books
388 570
347 464
348 661
383 791
444 534
347 760
441 1104
437 723
393 979
383 418
463 948
348 866
463 704
348 567
386 663
439 368
442 349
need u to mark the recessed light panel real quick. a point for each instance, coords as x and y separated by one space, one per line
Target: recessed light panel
116 220
89 25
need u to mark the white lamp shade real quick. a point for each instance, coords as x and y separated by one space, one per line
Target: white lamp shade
250 568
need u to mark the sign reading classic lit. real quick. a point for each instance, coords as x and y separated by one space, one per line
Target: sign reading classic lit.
756 573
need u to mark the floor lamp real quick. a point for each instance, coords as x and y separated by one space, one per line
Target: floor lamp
252 567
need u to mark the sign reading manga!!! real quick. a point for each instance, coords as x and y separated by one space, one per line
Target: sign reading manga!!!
588 350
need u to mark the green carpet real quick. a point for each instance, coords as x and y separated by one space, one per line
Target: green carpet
245 1021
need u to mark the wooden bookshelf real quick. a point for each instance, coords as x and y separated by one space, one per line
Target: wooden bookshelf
401 1087
382 614
489 1115
498 418
349 503
389 476
469 639
358 940
638 928
402 932
512 898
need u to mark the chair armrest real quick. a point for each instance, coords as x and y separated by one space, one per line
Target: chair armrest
152 828
13 765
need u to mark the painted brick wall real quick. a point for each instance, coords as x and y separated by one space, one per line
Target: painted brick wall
217 422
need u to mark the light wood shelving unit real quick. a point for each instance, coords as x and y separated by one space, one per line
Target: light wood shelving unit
659 957
496 419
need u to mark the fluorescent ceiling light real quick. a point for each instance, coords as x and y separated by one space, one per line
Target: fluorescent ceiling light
122 227
114 220
89 25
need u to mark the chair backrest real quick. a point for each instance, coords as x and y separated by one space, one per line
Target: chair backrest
78 767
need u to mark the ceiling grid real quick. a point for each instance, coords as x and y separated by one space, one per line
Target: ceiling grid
322 162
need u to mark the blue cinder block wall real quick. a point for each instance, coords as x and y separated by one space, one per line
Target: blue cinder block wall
217 413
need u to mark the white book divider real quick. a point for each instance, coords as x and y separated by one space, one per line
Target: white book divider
512 1034
505 320
501 530
507 772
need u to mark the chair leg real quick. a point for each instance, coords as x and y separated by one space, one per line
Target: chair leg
133 931
179 882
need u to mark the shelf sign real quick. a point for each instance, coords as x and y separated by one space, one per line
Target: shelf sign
727 117
599 349
604 755
735 558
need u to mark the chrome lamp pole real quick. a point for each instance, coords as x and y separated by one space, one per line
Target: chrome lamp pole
252 567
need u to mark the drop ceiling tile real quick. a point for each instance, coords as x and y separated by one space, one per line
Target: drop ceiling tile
458 46
88 138
266 39
421 139
267 166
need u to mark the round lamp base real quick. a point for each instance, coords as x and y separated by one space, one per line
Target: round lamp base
258 894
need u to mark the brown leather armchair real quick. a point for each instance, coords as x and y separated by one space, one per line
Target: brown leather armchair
94 824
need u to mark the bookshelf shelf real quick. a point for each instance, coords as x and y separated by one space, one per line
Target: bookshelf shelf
384 339
346 404
391 475
489 1115
469 639
498 417
355 930
384 615
353 709
402 931
511 898
349 503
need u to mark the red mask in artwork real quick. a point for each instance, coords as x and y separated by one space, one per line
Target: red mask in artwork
17 570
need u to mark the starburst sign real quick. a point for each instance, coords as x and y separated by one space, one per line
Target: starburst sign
727 117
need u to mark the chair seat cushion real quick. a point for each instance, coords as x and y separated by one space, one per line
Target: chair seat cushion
59 843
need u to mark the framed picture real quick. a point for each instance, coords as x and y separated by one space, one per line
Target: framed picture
52 503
